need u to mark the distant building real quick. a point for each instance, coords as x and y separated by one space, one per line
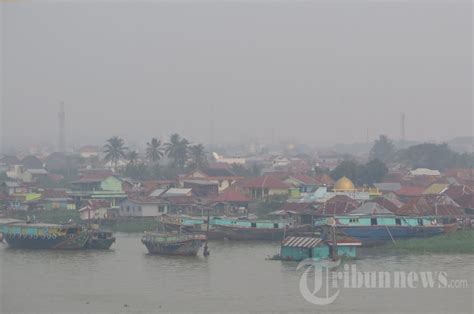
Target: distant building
143 207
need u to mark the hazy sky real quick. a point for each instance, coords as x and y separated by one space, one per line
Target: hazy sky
318 72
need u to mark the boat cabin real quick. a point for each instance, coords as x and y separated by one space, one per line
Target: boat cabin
300 248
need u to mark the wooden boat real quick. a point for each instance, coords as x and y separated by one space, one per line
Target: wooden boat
378 229
44 236
261 231
173 243
192 225
99 240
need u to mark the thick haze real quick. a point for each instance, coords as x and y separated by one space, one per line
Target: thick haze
316 72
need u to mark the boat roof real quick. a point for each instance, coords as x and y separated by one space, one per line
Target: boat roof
303 242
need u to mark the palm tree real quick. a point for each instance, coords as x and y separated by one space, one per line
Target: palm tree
177 150
198 158
132 157
114 150
154 151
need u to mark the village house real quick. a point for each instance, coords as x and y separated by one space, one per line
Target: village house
265 186
202 188
94 210
304 183
223 176
143 207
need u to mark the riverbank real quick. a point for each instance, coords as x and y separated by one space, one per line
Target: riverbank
460 242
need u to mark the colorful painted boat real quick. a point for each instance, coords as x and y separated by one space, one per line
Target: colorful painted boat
99 240
173 243
374 230
44 236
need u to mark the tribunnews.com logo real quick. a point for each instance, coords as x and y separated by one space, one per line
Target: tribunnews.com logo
320 284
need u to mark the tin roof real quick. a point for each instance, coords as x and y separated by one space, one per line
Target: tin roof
304 242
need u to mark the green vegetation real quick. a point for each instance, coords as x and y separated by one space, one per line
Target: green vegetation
133 225
457 242
368 173
55 216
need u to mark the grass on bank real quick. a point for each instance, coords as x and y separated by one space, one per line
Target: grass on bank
456 242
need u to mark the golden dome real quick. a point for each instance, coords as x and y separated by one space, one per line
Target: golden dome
344 184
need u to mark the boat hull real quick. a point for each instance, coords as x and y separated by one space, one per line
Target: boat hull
66 242
263 234
374 235
99 244
183 248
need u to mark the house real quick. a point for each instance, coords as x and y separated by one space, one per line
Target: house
90 151
264 186
202 188
14 188
57 199
99 185
230 201
304 183
178 192
224 177
385 187
94 210
424 172
143 207
32 175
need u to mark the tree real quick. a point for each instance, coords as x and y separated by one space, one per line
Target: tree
114 150
177 150
137 171
347 168
428 155
132 157
154 151
198 158
372 172
383 149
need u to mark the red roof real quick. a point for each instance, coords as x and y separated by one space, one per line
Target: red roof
297 207
305 179
96 204
335 208
466 201
410 191
388 204
421 206
457 191
266 182
232 195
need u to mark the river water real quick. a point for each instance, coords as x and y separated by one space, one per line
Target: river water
236 277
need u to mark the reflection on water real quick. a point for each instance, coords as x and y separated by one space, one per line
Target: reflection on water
236 277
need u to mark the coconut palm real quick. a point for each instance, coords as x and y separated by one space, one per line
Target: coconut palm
132 157
197 156
114 150
177 150
154 151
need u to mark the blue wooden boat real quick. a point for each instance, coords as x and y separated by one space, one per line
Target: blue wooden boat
44 236
233 228
173 243
378 229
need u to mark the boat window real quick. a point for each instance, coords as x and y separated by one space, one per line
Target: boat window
356 220
254 225
420 222
398 221
373 221
275 225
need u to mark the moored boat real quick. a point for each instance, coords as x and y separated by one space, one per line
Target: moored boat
99 239
173 243
44 236
378 229
254 230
